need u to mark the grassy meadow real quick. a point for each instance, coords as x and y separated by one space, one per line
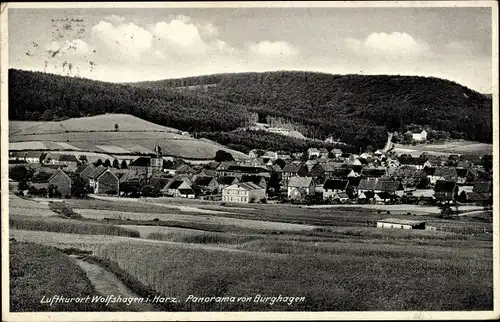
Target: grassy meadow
338 262
37 271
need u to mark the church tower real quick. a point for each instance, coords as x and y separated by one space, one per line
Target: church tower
157 159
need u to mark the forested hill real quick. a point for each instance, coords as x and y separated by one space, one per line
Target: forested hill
350 106
36 96
358 110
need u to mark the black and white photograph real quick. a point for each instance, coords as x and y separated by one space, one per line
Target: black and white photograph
249 160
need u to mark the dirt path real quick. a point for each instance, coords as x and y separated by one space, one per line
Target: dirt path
106 283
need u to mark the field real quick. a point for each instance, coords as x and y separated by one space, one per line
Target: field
37 271
330 256
97 134
451 147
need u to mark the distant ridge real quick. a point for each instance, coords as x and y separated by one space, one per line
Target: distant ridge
355 109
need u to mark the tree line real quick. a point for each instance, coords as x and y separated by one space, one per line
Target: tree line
343 105
358 110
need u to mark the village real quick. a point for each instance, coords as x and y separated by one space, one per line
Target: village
317 177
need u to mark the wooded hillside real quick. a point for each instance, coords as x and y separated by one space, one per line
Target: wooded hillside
358 110
346 105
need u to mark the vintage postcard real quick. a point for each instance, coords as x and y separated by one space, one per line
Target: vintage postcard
249 161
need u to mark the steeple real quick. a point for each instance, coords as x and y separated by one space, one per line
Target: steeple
158 150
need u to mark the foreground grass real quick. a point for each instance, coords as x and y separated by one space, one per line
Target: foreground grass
37 271
340 277
71 226
202 237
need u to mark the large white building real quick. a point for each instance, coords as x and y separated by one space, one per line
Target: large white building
245 192
419 137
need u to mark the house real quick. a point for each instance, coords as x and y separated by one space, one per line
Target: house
340 196
306 183
354 161
148 164
103 181
205 185
472 159
205 173
254 153
419 137
332 187
464 164
283 155
446 173
482 192
353 182
366 156
297 194
178 188
445 190
343 172
293 170
186 193
68 160
409 176
336 153
322 170
431 175
233 169
377 185
62 182
408 160
17 156
272 155
400 224
245 192
477 175
226 181
373 172
313 153
462 175
187 178
84 171
383 197
323 153
34 156
258 180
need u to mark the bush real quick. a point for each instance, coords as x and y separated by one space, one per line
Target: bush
63 210
20 173
150 191
23 185
263 200
33 191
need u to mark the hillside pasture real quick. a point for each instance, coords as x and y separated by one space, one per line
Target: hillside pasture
98 134
446 148
102 122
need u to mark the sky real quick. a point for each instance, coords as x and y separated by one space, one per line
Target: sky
136 44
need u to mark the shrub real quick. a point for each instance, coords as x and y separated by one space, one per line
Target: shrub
63 210
20 173
23 185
